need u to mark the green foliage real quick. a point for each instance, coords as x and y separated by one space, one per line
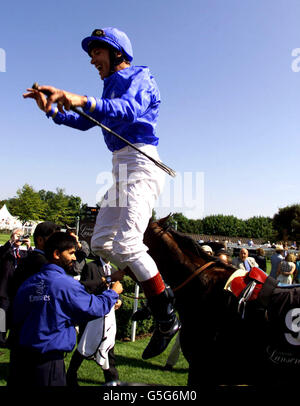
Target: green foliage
44 205
123 315
231 226
185 225
60 208
223 225
287 223
27 205
258 227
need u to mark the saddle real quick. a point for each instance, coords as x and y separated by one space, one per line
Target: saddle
246 285
282 309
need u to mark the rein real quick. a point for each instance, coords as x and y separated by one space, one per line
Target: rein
191 277
198 270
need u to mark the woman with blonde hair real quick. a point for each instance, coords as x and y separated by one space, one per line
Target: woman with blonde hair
286 269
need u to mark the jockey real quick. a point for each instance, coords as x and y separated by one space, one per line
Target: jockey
129 105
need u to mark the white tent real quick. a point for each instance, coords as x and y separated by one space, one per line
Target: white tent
7 221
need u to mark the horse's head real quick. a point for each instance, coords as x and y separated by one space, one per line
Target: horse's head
178 256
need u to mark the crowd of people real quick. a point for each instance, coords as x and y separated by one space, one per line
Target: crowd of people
47 293
285 265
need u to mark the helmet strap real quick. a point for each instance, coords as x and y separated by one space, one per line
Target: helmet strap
114 59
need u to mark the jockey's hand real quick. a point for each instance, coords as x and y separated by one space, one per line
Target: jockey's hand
63 99
117 287
39 97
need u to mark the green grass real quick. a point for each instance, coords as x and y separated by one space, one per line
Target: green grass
131 367
4 238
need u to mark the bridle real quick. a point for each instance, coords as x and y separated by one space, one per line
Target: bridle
198 270
194 274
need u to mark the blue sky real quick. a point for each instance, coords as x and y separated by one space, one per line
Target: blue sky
230 98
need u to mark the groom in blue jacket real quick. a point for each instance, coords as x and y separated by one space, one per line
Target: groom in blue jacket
46 310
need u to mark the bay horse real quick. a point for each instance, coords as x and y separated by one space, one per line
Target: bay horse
221 347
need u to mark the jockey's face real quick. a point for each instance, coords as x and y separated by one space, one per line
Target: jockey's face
243 254
101 61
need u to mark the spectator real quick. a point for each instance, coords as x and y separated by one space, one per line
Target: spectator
243 261
32 263
297 271
82 252
94 278
250 242
261 259
276 258
286 269
207 249
294 245
47 307
11 255
224 256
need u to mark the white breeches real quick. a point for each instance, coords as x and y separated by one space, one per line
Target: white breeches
126 209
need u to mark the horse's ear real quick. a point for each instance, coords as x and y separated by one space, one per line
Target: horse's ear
164 220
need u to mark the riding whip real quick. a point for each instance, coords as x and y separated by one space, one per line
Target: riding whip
160 164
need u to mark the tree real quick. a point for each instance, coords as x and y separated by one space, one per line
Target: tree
223 225
287 223
260 227
181 223
61 208
44 205
27 205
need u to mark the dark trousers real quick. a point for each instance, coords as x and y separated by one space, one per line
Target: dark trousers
29 368
111 374
2 339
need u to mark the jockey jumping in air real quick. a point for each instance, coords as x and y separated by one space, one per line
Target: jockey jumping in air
129 105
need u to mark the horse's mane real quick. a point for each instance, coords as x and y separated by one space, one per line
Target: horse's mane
188 244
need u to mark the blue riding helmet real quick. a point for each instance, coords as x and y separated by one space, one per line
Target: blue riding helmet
113 37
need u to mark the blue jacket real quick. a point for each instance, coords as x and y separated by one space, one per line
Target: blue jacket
129 106
49 304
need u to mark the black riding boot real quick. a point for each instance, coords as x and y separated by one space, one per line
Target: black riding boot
167 323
